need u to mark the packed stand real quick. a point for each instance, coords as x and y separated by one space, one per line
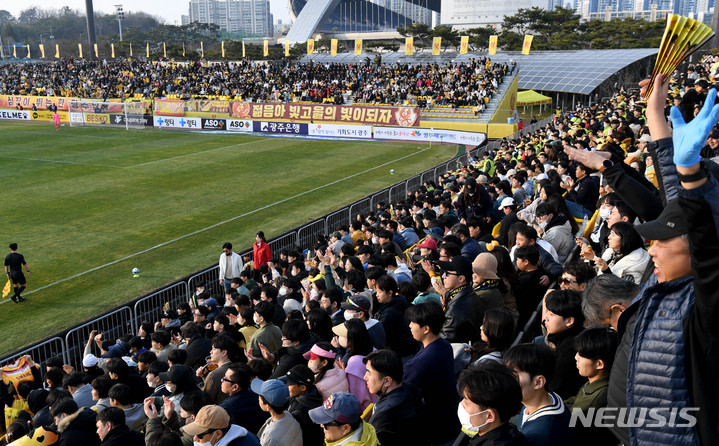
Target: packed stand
457 84
506 303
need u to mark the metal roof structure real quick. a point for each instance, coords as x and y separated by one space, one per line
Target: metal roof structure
579 71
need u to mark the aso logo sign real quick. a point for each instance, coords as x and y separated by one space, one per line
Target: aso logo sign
239 125
214 124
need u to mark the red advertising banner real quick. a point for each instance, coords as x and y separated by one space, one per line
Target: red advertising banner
40 102
356 114
207 106
167 107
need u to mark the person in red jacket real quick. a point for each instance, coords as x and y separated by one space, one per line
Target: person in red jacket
261 252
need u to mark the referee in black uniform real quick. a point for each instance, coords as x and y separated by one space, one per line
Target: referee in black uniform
13 269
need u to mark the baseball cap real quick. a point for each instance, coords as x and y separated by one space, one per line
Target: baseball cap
210 417
508 201
670 223
471 185
211 302
714 134
406 222
511 172
428 243
300 375
336 234
357 302
459 265
435 232
482 179
169 314
273 390
645 138
701 83
485 266
89 360
341 406
178 373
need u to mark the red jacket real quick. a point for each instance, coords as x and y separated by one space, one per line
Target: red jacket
261 254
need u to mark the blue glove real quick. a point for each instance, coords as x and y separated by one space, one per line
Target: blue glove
690 138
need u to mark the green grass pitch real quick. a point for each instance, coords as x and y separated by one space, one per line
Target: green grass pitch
83 197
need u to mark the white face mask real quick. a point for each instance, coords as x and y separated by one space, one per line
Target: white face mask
543 224
375 240
283 291
464 418
151 384
314 294
605 213
349 315
256 318
209 443
170 387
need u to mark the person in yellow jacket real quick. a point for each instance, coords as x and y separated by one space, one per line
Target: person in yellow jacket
340 419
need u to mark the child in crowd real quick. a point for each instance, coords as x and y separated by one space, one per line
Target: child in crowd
563 319
544 418
530 277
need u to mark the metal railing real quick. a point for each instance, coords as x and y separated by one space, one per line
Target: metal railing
127 318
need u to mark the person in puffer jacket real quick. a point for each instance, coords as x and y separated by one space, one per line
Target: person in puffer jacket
75 426
556 230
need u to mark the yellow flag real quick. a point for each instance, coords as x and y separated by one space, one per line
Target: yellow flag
287 48
527 45
436 46
266 48
130 50
164 50
202 49
112 50
147 50
358 47
464 44
96 55
2 55
7 288
492 45
408 46
79 47
14 51
42 50
243 49
57 51
223 49
333 47
183 49
310 46
28 51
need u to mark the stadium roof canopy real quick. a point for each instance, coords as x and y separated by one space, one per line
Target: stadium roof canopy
579 71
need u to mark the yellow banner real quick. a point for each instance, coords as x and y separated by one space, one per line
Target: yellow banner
527 45
333 47
28 51
493 45
287 48
436 46
79 47
96 54
183 49
2 55
57 51
243 49
464 45
14 51
44 115
358 47
42 50
130 50
112 50
408 46
147 50
97 118
266 47
310 46
164 50
202 49
223 49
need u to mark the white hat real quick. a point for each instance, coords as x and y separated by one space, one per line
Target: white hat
511 172
509 201
482 179
89 360
542 176
645 138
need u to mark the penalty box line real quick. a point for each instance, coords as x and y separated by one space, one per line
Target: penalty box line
160 245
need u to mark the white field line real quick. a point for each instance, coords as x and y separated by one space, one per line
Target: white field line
219 224
60 162
197 153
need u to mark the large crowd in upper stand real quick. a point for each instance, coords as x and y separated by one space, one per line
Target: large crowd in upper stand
482 309
468 83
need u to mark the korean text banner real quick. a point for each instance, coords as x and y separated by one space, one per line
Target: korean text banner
169 108
436 135
389 116
41 103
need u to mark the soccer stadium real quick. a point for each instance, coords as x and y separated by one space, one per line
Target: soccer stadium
340 250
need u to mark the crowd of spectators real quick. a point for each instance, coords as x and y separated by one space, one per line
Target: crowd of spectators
489 307
459 84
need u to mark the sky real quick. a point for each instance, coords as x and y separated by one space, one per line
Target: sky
168 10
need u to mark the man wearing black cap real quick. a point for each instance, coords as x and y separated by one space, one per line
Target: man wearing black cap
304 397
358 306
694 96
464 311
711 149
667 354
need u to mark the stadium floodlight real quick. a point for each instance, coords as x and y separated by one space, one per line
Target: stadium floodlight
120 18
